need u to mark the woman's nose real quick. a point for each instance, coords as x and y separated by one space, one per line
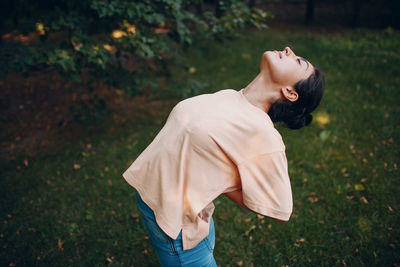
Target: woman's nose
288 51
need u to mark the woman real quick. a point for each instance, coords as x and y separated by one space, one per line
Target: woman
223 143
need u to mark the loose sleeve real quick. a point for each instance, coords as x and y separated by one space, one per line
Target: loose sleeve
266 185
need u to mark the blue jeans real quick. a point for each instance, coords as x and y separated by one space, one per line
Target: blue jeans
170 251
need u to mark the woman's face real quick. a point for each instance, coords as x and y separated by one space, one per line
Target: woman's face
285 68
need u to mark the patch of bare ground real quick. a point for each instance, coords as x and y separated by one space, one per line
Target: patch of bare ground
36 112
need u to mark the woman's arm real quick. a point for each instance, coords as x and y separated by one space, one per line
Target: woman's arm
237 197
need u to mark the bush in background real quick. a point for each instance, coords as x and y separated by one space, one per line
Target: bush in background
121 43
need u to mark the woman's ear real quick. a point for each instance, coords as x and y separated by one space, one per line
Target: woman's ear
289 93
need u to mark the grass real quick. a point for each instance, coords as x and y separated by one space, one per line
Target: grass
72 207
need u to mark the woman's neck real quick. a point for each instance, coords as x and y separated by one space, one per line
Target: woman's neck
261 92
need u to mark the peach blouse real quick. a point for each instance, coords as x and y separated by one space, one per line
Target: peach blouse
212 144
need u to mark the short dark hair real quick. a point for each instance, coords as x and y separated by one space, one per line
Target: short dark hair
297 114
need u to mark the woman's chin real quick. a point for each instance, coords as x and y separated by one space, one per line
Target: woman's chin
267 60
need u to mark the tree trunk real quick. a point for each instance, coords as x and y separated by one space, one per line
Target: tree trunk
394 16
218 11
252 3
309 12
199 8
356 12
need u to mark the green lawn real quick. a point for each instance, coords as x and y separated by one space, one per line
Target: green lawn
344 170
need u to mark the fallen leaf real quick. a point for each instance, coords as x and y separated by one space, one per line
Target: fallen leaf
26 162
359 187
325 135
77 166
363 199
313 200
322 118
246 55
250 229
364 224
60 245
239 263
